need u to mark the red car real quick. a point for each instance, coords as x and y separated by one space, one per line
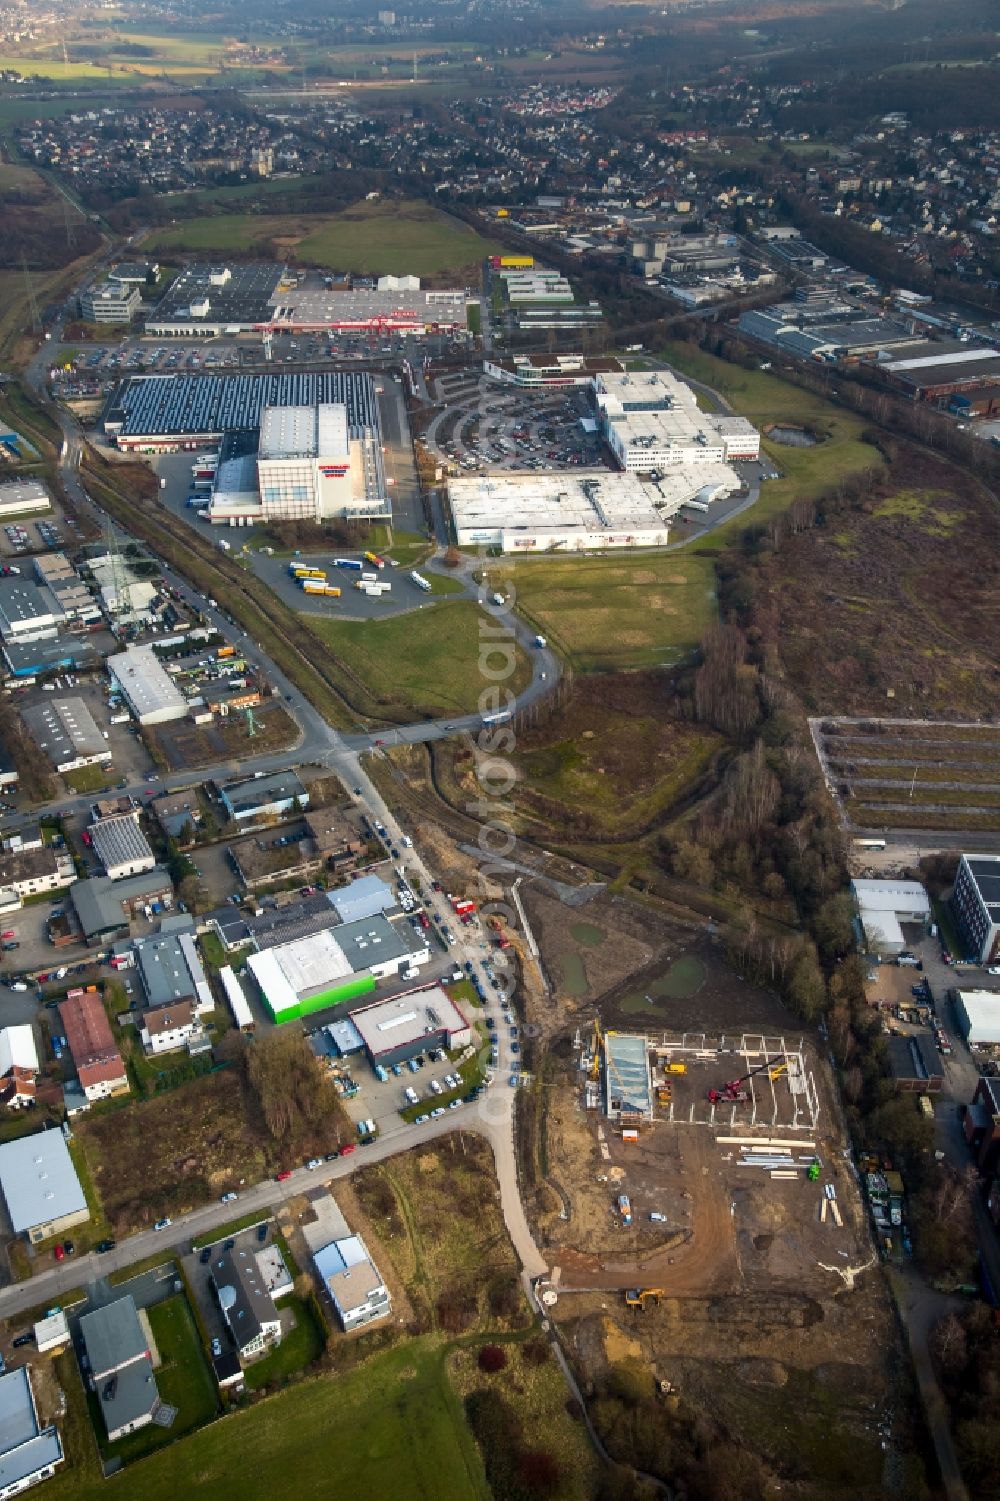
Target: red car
282 1177
60 1253
347 1149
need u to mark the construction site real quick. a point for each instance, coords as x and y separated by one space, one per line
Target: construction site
706 1220
707 1156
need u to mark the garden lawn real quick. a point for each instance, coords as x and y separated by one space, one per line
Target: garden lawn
298 1349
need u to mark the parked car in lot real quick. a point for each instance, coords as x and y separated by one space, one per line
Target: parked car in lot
216 1346
314 1162
163 1224
206 1255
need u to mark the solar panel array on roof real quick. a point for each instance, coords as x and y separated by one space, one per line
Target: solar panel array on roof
184 405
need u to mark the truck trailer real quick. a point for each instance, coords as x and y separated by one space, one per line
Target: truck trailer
319 586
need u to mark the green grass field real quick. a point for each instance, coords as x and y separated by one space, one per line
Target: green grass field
617 612
392 1427
766 399
424 661
371 238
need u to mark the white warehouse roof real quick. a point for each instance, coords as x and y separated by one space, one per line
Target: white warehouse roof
901 897
150 691
978 1013
39 1180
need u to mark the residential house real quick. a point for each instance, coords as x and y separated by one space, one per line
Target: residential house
121 1365
171 1027
246 1304
18 1066
99 1065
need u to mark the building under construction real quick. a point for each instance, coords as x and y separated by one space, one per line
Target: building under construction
628 1084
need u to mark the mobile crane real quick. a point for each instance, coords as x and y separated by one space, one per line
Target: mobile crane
733 1092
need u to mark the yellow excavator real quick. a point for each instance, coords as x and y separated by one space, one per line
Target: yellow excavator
638 1297
595 1064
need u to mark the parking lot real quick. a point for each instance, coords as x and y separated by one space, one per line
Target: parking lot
485 426
47 531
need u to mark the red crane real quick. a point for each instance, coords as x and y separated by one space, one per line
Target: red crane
734 1091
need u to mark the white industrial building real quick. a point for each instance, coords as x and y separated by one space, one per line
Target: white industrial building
537 284
66 731
305 467
579 512
121 846
977 1013
112 302
883 906
29 1453
28 612
20 497
40 1186
148 690
651 422
404 1025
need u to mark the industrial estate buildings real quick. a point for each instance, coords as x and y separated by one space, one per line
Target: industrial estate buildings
208 300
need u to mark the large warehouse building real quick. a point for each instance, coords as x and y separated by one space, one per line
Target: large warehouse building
336 965
208 300
585 511
651 421
291 447
146 687
397 1029
305 466
977 1013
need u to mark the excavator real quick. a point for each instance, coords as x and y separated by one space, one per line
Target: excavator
595 1064
638 1297
733 1092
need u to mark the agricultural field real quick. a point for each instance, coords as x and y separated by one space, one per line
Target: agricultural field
372 238
876 607
613 613
425 662
890 774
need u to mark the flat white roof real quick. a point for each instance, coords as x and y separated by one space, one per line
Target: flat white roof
39 1180
288 432
407 1018
144 682
982 1010
294 969
892 896
593 501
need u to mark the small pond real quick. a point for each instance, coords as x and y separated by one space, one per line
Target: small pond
793 437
